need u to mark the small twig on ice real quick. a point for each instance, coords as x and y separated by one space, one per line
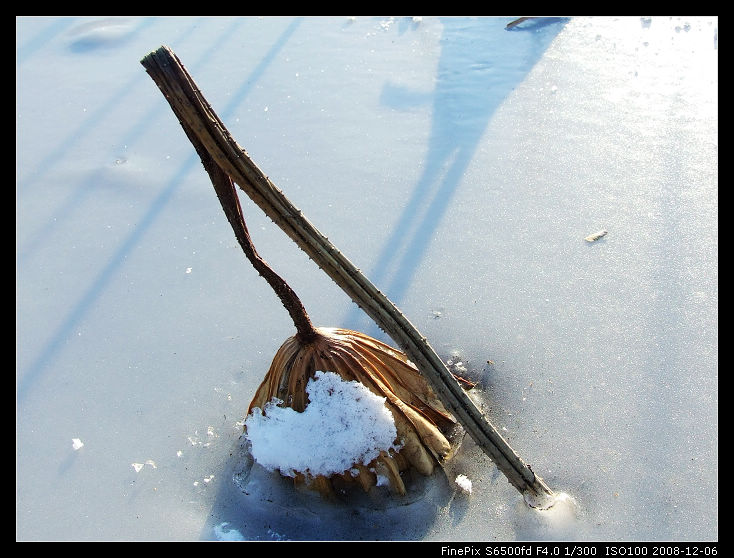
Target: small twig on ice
518 21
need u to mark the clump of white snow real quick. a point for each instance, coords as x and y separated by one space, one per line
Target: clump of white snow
564 511
382 480
464 483
76 444
560 507
139 466
343 424
557 518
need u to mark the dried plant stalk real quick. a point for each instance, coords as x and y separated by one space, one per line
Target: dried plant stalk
212 137
418 414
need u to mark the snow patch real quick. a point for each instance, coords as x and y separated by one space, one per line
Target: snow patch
557 520
343 424
139 466
464 483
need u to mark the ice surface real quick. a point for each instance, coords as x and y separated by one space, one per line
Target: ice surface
224 534
460 166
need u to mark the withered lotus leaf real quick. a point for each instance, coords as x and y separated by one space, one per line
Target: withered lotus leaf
421 420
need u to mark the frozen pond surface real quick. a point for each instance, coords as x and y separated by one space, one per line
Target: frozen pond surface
460 165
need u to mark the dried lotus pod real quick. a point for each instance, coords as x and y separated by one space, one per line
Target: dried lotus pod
420 418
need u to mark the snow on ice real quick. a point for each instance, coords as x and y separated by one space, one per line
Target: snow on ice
343 424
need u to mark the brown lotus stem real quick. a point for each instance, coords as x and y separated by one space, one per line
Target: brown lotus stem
199 119
227 195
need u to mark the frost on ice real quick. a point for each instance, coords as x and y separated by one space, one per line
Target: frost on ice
224 534
139 466
343 424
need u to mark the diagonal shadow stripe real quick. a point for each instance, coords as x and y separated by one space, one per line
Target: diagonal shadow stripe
32 45
89 124
86 302
475 74
65 210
